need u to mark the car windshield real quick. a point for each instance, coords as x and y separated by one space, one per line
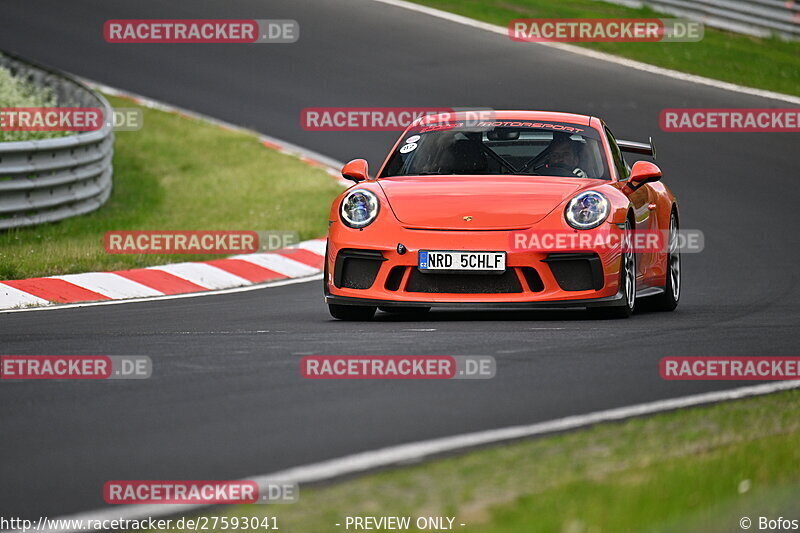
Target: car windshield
525 148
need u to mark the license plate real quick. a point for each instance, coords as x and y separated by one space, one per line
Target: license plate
461 261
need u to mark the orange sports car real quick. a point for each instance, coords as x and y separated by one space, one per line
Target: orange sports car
523 209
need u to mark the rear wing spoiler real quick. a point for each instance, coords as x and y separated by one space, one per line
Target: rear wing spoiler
648 148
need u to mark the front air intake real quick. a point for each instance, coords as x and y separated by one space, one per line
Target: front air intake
356 269
576 271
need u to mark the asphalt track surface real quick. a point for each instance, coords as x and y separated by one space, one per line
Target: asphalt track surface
226 399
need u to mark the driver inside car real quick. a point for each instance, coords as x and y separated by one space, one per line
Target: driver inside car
565 154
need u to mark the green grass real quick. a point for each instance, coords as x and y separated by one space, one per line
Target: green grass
177 174
690 471
770 64
18 92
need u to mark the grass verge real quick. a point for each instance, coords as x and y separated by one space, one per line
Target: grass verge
177 173
770 64
691 471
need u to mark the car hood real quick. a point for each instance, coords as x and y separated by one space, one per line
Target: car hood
492 202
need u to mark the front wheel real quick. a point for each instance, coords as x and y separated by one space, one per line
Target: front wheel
351 312
668 300
627 283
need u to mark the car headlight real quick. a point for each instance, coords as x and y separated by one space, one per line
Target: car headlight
587 210
359 208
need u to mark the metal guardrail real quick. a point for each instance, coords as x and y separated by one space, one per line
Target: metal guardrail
52 179
761 18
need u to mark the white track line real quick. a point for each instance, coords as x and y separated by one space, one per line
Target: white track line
404 453
248 288
466 21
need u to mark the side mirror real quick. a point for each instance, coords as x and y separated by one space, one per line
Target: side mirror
644 172
356 170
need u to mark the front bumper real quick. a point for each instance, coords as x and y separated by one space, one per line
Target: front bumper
608 301
534 279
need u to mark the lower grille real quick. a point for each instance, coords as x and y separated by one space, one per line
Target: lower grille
504 283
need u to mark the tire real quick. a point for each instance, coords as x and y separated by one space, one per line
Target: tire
668 300
325 271
405 311
627 283
351 312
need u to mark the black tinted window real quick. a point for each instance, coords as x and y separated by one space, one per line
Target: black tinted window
619 161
